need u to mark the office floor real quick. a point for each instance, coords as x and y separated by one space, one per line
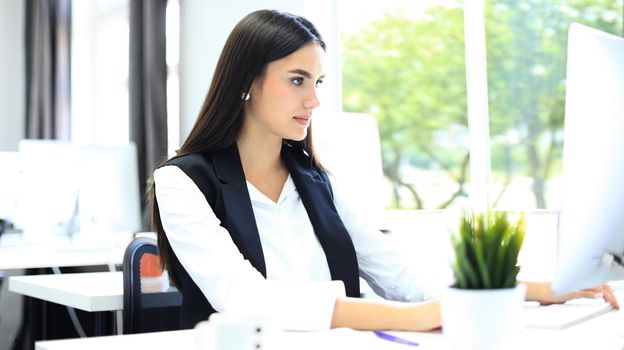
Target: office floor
10 312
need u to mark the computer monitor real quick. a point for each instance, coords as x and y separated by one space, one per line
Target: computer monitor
8 178
68 189
362 149
591 226
47 188
108 193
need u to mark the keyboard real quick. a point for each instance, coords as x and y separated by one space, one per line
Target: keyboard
560 316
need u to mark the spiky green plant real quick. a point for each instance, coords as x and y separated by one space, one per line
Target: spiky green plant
486 250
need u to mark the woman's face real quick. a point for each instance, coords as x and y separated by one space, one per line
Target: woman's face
283 98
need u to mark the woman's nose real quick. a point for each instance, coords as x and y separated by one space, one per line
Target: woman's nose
312 100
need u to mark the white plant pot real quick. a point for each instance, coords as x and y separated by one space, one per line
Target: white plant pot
482 319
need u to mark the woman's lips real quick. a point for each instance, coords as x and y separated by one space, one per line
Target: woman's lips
303 120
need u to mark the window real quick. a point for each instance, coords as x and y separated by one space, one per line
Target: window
173 76
100 44
403 62
526 49
100 71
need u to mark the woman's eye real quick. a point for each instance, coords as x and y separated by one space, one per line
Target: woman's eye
297 81
319 82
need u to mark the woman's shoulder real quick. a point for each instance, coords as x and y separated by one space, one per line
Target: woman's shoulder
189 171
197 166
186 160
202 158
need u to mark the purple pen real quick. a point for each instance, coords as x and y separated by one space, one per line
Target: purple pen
390 337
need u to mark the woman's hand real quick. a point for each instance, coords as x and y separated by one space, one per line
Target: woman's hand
542 292
368 314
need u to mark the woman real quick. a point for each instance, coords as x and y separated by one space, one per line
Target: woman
249 222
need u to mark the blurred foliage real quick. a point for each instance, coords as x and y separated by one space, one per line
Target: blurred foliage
410 74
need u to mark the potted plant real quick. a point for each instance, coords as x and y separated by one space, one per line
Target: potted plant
481 309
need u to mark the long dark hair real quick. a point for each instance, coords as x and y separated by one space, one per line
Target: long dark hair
258 39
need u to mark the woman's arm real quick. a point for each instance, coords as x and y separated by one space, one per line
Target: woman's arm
542 292
365 314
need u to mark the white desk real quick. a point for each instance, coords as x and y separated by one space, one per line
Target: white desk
19 253
188 340
160 340
92 291
605 333
104 292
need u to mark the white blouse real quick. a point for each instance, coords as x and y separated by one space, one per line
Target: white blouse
298 293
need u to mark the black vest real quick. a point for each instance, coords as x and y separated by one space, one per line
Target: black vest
220 178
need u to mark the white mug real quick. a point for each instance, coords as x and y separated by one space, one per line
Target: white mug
234 332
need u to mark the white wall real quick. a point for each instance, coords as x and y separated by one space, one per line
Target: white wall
12 109
204 28
11 129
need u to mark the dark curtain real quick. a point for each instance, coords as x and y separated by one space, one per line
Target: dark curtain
47 41
148 82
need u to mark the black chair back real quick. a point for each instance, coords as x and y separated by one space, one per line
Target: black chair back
1 281
150 304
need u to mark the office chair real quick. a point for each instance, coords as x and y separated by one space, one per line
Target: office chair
1 281
150 304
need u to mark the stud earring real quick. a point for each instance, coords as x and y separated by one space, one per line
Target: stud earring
245 96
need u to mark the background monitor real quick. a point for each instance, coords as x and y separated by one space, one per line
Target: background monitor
9 176
592 212
48 188
67 189
354 161
108 192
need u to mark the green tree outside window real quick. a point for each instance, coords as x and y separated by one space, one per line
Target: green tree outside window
410 75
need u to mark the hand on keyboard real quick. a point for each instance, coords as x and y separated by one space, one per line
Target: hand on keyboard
543 293
559 316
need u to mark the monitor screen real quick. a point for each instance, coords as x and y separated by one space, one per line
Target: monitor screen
67 189
108 192
591 224
9 176
47 195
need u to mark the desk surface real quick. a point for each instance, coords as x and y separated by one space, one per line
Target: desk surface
189 340
159 340
19 253
93 291
605 333
103 291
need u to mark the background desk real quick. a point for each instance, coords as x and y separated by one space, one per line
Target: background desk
92 291
19 253
96 292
